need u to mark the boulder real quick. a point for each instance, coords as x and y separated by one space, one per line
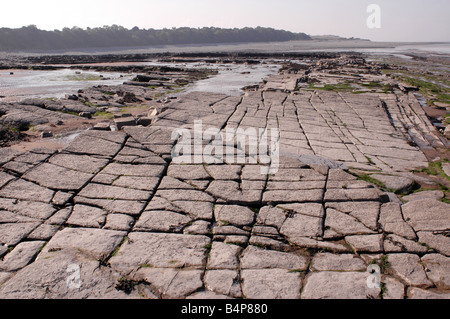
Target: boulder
124 121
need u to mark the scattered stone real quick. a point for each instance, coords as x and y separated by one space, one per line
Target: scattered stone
46 134
102 126
85 114
124 121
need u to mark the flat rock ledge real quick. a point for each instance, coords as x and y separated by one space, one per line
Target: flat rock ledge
113 216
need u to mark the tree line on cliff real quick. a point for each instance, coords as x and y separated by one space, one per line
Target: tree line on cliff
31 38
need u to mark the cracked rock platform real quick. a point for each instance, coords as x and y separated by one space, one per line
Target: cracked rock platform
113 210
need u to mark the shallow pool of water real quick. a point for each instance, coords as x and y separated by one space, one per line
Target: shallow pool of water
232 78
20 84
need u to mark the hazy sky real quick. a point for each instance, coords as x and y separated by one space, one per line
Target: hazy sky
401 20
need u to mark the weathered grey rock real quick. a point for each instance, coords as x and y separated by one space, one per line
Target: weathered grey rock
232 193
394 289
336 262
270 284
316 160
87 216
162 221
34 210
90 144
293 196
302 226
161 251
196 209
235 215
129 207
7 154
396 183
60 217
220 229
257 258
308 209
225 282
124 121
184 195
21 189
417 293
391 221
271 216
437 195
52 278
20 256
61 198
344 224
43 232
134 170
188 172
5 178
446 166
408 268
56 177
97 243
338 285
304 242
366 243
119 222
171 283
363 194
199 227
224 172
366 213
268 243
12 234
103 126
394 243
135 182
436 240
427 215
113 192
223 256
437 268
82 163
